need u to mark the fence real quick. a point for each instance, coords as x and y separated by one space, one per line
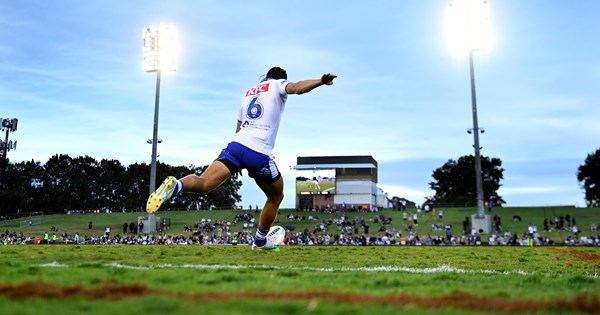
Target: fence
30 222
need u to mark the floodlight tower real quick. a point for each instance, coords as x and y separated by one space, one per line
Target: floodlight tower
469 29
8 125
160 52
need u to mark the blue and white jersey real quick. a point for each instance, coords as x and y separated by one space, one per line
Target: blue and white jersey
260 114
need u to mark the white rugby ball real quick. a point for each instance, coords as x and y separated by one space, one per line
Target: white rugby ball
275 236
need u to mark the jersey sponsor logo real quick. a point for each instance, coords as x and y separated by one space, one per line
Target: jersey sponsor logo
258 89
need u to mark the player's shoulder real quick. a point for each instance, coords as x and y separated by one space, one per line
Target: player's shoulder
282 84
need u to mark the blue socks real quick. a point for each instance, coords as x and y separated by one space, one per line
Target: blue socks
261 237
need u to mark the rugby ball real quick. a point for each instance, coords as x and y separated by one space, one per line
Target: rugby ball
275 236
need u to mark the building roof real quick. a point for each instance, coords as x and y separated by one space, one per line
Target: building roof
328 162
330 166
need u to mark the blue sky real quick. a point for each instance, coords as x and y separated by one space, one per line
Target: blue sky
70 71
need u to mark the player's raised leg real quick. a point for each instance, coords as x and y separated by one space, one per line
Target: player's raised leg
215 175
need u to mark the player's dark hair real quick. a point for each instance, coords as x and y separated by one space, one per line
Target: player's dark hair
277 73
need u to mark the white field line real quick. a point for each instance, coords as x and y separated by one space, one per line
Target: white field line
54 264
440 269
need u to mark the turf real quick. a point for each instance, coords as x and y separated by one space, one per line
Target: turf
141 279
324 280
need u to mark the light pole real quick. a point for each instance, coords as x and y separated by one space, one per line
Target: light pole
469 29
10 125
160 52
476 130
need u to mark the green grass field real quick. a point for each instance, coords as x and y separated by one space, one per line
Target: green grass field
161 279
99 279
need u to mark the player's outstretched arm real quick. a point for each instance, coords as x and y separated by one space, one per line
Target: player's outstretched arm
305 86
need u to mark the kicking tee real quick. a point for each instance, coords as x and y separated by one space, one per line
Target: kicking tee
260 113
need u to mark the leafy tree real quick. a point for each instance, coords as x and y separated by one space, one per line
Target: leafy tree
588 175
21 188
31 173
85 191
225 195
455 181
137 184
12 196
83 183
111 185
57 184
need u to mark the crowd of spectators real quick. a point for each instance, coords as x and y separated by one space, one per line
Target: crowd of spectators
341 230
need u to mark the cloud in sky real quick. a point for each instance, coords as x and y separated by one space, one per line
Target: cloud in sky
71 72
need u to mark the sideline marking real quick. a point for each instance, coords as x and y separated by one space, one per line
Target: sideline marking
432 270
55 265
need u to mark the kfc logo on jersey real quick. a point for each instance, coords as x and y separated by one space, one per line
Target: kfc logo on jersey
258 89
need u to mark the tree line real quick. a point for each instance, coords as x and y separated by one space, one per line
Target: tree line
84 183
454 182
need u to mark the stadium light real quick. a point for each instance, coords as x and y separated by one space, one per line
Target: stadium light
160 55
468 26
469 29
160 48
8 125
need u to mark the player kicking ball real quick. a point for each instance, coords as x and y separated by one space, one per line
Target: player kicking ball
257 124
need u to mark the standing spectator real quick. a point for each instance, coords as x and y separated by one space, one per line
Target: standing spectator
132 228
107 232
499 224
441 214
141 227
466 225
125 228
90 225
415 219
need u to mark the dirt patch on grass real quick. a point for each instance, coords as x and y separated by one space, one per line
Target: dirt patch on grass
578 254
580 303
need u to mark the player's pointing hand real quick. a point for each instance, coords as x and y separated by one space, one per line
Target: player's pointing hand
327 78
